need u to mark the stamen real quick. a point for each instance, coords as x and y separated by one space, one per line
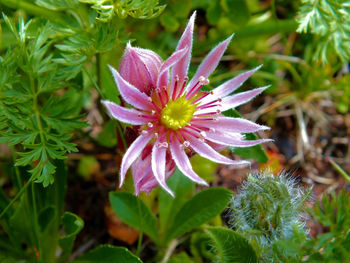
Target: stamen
203 134
162 144
201 81
183 87
144 132
166 95
206 106
191 133
147 116
205 114
176 84
156 106
158 92
203 119
186 144
149 124
200 98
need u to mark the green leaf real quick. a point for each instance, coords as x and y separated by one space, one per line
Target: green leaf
108 254
45 217
201 208
134 212
181 258
183 189
231 247
169 22
256 152
237 11
72 224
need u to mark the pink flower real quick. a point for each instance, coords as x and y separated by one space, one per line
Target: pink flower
175 117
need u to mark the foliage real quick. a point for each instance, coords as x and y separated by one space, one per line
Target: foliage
141 9
330 20
33 115
331 212
52 52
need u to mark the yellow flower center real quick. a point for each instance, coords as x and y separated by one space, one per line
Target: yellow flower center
177 114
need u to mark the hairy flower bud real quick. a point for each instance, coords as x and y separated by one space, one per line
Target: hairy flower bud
268 209
140 67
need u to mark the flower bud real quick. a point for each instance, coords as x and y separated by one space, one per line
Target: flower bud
268 209
140 67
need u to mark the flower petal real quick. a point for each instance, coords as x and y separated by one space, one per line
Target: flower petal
180 69
183 163
228 140
163 72
131 94
158 166
233 84
132 153
208 152
210 62
144 64
231 124
123 114
240 98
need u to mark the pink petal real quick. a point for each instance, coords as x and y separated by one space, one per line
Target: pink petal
240 98
210 62
228 140
183 163
231 124
123 114
181 67
141 172
158 166
232 84
207 152
144 64
163 72
131 94
132 153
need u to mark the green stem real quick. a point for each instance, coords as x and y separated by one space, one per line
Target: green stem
33 9
36 109
340 170
35 220
139 243
95 84
120 131
31 179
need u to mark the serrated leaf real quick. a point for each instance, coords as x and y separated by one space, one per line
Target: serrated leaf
231 247
134 213
108 254
198 210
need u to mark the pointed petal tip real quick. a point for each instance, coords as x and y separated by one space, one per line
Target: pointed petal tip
258 67
264 128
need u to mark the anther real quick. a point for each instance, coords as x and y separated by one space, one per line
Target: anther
149 124
144 132
203 80
203 134
186 144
